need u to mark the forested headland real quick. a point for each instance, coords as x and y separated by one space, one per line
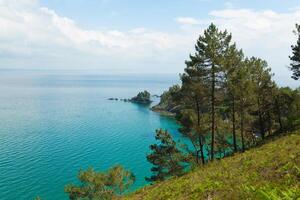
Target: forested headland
226 104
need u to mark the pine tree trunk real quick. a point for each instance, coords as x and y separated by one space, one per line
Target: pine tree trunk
242 127
261 123
213 112
201 149
198 111
233 124
278 115
262 131
199 134
269 124
202 154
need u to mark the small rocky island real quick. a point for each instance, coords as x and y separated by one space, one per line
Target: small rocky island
142 98
167 105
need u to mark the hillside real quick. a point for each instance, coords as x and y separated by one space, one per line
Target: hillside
271 171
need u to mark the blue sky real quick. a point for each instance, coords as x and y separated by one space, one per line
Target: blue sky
156 14
140 36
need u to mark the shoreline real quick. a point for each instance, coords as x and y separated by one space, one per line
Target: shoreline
163 112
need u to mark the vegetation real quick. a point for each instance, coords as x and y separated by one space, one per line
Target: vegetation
100 185
226 101
205 69
295 58
142 98
167 159
167 105
226 104
268 172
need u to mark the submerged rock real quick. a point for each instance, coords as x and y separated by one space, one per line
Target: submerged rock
113 99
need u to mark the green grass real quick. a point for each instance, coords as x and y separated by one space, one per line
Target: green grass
271 171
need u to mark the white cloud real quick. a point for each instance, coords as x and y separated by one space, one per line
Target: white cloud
34 36
38 33
266 34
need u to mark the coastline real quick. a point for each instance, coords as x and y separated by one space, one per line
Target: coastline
163 112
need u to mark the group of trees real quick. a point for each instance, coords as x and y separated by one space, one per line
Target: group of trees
228 102
225 104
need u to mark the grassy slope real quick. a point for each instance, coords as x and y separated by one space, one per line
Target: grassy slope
272 169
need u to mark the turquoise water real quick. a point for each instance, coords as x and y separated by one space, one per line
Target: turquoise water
54 123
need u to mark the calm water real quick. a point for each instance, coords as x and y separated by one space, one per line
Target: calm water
54 123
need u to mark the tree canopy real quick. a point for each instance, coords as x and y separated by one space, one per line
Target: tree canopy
167 159
100 185
295 58
228 102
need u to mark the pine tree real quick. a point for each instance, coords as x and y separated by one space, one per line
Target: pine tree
193 117
232 64
245 98
288 108
261 78
295 58
100 185
166 157
207 61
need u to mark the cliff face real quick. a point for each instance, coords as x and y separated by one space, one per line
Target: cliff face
166 109
168 105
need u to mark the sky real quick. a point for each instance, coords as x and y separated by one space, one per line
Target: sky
140 36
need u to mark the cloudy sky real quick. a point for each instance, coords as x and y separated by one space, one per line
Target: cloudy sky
141 36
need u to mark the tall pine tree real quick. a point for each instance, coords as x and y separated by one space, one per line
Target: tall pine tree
210 51
193 117
245 99
232 65
261 79
295 58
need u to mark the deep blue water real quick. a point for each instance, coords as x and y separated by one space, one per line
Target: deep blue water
53 123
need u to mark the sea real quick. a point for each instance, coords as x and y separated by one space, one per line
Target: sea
55 122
